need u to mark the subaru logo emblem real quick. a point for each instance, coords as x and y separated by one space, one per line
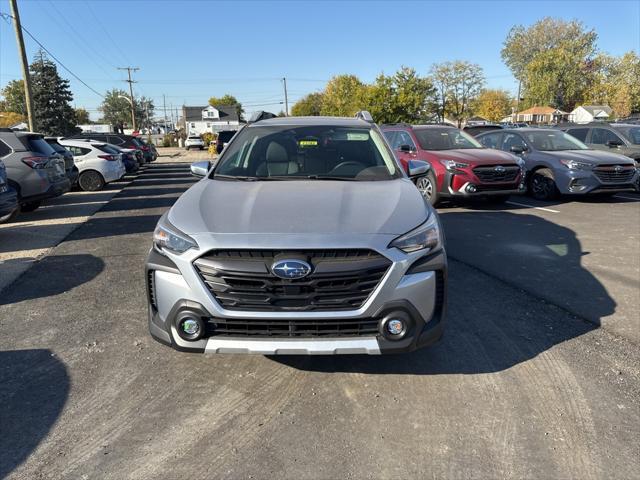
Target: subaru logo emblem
618 168
500 169
291 269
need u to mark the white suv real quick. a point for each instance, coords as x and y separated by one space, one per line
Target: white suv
96 164
194 141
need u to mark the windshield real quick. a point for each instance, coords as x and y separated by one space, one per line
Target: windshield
445 139
319 152
633 134
553 141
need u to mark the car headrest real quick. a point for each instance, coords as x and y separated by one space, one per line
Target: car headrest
276 153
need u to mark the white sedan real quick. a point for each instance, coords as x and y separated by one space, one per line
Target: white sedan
194 141
96 164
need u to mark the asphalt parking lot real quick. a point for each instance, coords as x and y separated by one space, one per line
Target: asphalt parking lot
538 375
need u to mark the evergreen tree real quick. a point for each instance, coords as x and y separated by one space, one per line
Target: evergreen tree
53 113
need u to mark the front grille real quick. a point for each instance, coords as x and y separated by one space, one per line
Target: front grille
293 328
608 174
340 280
489 173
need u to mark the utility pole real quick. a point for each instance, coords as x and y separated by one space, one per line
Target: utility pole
25 66
131 82
164 105
286 98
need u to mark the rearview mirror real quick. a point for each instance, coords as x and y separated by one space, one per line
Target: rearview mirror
418 168
518 149
614 143
406 148
200 169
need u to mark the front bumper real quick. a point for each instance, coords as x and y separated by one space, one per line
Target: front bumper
414 286
466 184
577 182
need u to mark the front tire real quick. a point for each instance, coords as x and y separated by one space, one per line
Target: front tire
91 181
428 188
542 185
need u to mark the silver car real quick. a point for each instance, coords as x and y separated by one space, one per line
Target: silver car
558 163
305 238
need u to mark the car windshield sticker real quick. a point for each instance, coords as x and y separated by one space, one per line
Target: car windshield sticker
308 143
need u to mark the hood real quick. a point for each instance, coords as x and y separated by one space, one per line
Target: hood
300 207
476 156
595 157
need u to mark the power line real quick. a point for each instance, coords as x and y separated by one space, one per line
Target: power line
6 15
97 20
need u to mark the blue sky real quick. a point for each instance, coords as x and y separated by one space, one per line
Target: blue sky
191 50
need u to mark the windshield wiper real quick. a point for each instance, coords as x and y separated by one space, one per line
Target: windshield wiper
329 177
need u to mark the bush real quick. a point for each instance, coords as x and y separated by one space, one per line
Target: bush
208 137
169 140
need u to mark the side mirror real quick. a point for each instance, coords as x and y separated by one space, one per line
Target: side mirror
200 169
614 143
406 148
518 149
418 168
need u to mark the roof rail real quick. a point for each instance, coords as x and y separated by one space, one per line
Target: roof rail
364 115
261 115
402 124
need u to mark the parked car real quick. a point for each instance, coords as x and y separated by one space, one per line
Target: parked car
475 130
615 137
560 163
33 168
69 166
460 166
194 141
119 140
311 241
223 138
148 149
97 164
9 206
127 156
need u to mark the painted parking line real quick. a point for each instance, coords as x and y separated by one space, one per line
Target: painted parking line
533 206
637 199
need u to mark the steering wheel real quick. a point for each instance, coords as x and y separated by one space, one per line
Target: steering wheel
356 167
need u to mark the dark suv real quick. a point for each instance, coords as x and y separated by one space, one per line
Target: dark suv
223 138
460 166
119 140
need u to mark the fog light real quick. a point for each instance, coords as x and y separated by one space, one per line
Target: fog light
190 326
471 188
395 326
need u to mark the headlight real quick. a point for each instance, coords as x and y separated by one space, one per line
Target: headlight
575 165
452 165
168 237
426 236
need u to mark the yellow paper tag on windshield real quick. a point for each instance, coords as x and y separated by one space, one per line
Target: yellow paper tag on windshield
308 143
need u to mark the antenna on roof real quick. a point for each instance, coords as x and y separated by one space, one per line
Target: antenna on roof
364 115
261 115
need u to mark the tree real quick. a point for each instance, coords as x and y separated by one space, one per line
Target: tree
52 97
458 84
8 119
82 116
615 83
343 96
413 96
225 100
13 98
116 109
309 105
378 99
493 105
522 44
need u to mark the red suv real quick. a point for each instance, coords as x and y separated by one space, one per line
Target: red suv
460 166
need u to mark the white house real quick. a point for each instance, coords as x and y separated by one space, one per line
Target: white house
199 120
590 113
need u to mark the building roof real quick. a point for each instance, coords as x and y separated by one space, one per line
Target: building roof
541 111
598 110
228 113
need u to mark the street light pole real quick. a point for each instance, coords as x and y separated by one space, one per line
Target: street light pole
131 82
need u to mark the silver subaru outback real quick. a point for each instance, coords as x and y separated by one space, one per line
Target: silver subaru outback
305 238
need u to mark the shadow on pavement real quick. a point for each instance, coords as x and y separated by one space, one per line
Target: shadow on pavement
69 272
492 325
35 387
